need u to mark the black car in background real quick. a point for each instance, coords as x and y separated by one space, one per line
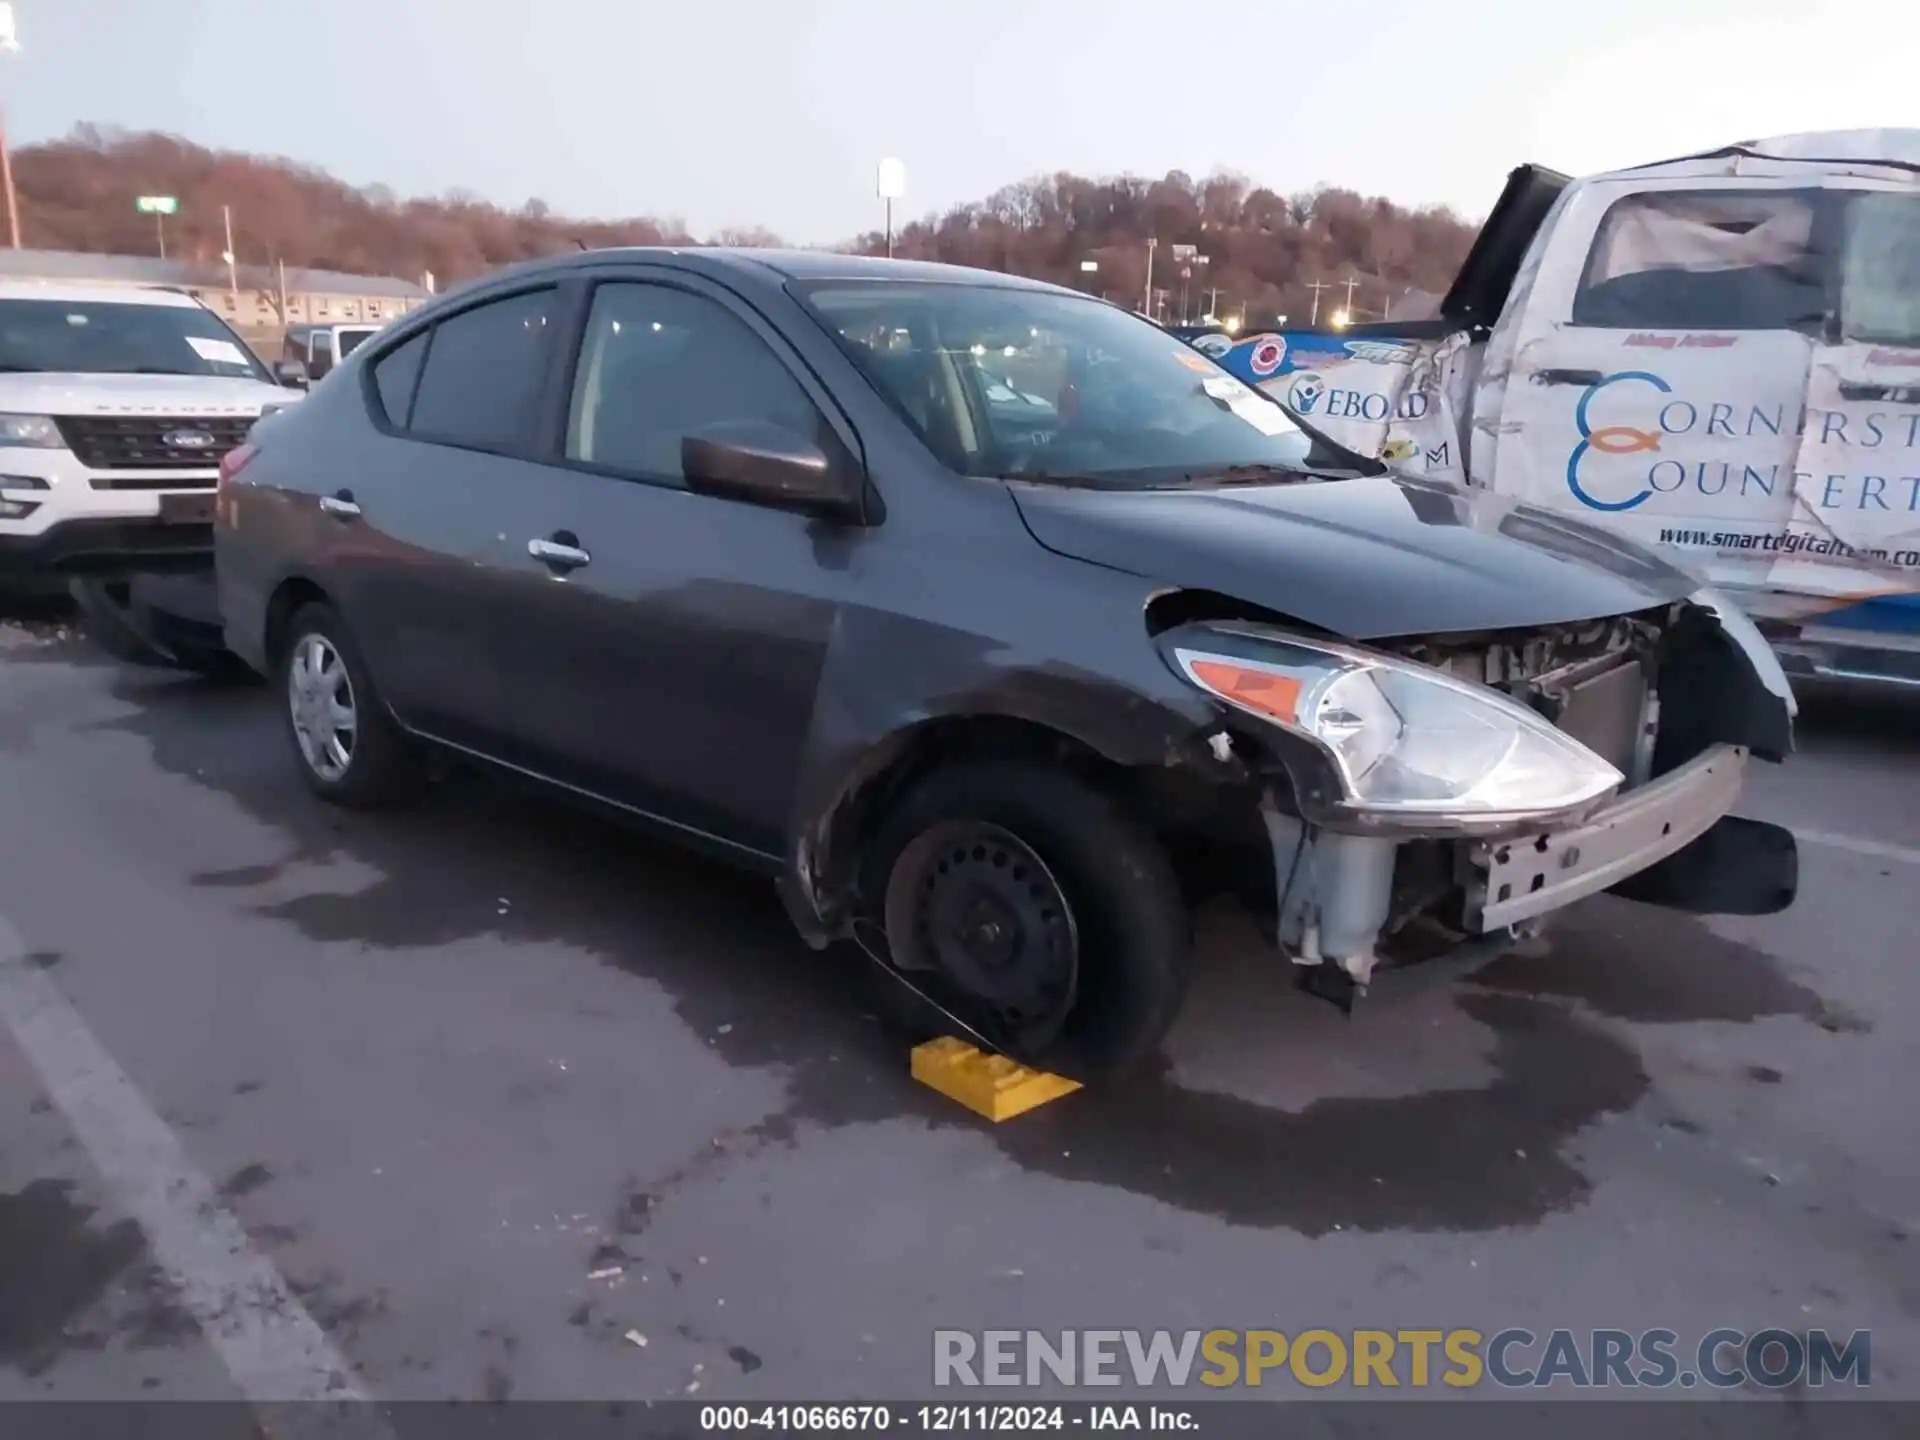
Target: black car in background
753 548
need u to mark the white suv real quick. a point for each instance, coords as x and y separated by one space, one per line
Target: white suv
116 407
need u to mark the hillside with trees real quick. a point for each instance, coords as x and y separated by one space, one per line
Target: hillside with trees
1264 250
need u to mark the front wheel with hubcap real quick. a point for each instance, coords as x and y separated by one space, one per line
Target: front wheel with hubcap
350 751
1032 909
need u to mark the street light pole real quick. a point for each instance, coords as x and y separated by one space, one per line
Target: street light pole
13 200
10 43
1147 308
1317 286
233 264
890 183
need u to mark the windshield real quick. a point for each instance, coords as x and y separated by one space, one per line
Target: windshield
350 341
109 338
1036 386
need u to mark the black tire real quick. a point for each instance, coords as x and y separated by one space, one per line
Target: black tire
382 766
1134 932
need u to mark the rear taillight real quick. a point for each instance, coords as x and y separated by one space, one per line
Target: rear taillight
231 464
235 460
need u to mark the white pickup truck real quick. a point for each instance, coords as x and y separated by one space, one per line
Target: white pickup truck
1718 355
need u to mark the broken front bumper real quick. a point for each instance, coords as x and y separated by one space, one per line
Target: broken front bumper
1517 879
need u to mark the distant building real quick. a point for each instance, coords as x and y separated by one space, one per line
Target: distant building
255 308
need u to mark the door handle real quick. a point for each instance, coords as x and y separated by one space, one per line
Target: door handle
560 552
1567 377
341 506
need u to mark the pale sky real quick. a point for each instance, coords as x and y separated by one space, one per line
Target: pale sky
774 112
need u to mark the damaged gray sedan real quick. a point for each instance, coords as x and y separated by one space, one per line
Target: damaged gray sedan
739 545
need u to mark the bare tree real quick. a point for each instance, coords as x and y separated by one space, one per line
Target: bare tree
1264 250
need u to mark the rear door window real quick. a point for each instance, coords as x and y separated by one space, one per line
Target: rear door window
394 376
481 383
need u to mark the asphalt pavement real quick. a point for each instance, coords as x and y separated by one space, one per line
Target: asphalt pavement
489 1099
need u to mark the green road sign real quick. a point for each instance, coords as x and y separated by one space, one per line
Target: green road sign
156 204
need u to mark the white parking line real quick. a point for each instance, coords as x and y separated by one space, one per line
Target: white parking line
1878 849
269 1344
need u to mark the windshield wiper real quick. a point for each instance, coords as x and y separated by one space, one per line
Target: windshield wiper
1063 477
1260 473
1364 465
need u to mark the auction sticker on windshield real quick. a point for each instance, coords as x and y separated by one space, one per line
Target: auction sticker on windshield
220 352
1249 405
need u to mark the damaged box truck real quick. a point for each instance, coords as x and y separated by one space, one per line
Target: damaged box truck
1717 355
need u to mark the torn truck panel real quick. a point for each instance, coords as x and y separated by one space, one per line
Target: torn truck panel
1480 290
1716 355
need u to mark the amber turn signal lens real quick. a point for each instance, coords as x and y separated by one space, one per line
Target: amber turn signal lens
1261 690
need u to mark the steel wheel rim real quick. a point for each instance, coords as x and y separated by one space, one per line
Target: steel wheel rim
320 703
973 904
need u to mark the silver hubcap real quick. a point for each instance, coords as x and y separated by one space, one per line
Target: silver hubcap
320 698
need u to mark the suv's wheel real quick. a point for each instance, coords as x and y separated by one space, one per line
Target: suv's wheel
1035 910
349 748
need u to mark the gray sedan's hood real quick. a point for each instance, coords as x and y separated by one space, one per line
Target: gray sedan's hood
1366 559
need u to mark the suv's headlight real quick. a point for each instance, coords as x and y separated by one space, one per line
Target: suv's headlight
1407 742
37 431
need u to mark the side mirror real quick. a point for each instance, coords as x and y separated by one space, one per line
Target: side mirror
771 465
292 374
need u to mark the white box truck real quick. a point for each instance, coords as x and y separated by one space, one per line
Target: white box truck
1719 355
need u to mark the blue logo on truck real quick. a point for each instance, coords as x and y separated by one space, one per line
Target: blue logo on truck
1610 439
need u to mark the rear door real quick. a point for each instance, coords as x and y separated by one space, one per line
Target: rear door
1660 362
428 538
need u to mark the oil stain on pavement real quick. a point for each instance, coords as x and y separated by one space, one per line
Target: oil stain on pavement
59 1273
1449 1159
1651 967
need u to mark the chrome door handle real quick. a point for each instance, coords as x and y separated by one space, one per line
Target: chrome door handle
339 507
563 557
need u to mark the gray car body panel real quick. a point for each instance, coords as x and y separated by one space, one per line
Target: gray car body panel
733 671
1363 558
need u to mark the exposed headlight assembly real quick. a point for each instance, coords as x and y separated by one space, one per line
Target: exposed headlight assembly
1412 748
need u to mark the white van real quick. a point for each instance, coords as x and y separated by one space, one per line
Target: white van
309 352
1718 355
